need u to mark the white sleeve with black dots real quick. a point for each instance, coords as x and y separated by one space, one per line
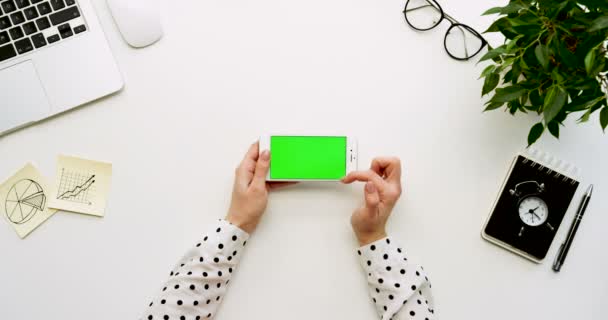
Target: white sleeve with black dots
399 288
198 282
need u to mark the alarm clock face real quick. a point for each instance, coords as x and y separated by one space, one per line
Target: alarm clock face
533 211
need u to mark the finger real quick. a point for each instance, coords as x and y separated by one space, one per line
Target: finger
247 166
253 152
372 198
362 176
261 169
280 185
389 167
366 176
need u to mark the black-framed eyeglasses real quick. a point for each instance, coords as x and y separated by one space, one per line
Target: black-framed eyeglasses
461 42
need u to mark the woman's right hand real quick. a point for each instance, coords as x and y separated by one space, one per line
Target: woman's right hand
382 191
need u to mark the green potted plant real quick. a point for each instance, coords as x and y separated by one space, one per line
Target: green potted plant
553 61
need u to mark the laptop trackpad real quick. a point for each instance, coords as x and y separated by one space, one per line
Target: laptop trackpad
22 98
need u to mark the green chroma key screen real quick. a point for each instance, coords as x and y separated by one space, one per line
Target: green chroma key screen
322 158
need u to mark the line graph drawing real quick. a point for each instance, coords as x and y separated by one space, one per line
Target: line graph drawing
81 185
76 187
24 200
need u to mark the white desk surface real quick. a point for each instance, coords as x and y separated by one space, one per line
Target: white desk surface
227 71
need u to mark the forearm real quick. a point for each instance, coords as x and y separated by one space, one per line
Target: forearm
198 282
399 288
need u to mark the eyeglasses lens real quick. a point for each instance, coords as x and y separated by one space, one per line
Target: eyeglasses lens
461 43
422 14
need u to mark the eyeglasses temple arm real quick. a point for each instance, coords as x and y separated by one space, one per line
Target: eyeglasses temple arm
447 16
421 7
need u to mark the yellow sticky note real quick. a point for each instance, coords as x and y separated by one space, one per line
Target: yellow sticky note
81 186
24 198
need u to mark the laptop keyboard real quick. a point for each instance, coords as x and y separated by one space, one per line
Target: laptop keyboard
30 25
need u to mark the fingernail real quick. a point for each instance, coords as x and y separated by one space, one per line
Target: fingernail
369 187
265 155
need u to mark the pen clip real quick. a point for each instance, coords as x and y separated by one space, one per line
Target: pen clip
558 257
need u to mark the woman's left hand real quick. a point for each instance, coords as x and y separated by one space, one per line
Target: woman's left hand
250 192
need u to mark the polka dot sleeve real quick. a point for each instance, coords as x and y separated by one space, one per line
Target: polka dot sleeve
399 288
198 282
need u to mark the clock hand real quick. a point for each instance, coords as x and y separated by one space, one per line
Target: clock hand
536 216
532 210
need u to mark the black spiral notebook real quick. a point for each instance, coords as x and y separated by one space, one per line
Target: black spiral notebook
531 205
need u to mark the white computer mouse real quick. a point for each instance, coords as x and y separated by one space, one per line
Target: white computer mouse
137 20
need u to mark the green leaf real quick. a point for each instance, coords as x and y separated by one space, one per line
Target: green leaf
597 68
532 108
504 26
560 118
542 55
564 30
490 83
494 27
589 60
509 32
554 101
588 114
528 29
586 105
523 19
489 69
508 76
560 7
524 99
514 106
511 44
599 24
604 118
516 69
535 133
508 94
493 106
566 56
492 11
493 53
508 61
586 84
556 75
585 117
523 64
553 127
530 60
535 98
511 8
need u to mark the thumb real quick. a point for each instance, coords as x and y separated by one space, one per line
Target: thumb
372 198
261 169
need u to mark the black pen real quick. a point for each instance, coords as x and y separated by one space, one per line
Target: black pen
563 250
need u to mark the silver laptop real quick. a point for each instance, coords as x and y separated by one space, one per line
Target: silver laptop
53 57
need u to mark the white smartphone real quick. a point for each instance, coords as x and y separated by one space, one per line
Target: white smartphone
309 158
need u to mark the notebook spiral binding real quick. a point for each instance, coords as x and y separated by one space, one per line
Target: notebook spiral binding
553 166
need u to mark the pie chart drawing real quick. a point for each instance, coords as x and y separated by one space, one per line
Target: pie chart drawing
24 200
